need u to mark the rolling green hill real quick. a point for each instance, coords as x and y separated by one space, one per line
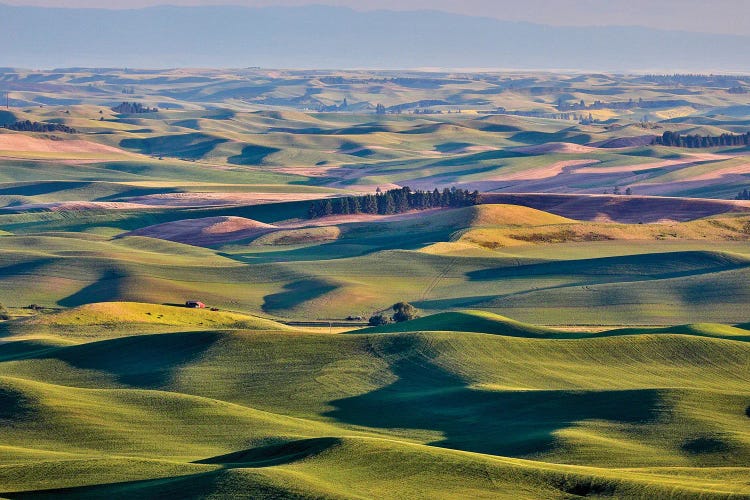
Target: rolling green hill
546 362
112 319
467 321
489 323
289 413
508 260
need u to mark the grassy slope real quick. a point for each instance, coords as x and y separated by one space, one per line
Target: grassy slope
250 148
489 323
370 414
467 321
113 319
112 401
554 274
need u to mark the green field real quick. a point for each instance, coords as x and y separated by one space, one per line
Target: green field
569 343
519 411
514 261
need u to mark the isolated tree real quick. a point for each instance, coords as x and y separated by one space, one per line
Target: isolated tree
628 191
377 320
4 313
403 311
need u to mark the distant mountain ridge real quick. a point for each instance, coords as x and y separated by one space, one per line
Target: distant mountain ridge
334 37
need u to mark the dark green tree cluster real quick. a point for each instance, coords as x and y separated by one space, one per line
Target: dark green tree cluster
743 195
696 141
394 201
344 106
378 320
693 80
581 105
402 311
133 108
29 126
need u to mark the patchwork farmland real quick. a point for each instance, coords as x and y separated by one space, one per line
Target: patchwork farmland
580 328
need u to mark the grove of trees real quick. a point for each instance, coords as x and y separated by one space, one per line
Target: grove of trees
696 141
394 201
402 311
378 320
29 126
132 108
563 105
743 195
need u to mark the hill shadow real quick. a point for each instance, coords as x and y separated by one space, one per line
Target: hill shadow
28 268
499 128
503 423
252 155
274 454
40 188
654 265
190 146
296 293
567 135
450 147
143 191
104 289
15 407
473 158
143 361
19 349
355 149
212 484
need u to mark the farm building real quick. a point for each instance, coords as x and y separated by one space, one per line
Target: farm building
195 304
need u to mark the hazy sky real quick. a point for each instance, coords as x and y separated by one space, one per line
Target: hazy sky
713 16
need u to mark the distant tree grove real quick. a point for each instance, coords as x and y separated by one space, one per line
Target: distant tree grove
696 141
394 201
29 126
132 108
402 311
743 195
